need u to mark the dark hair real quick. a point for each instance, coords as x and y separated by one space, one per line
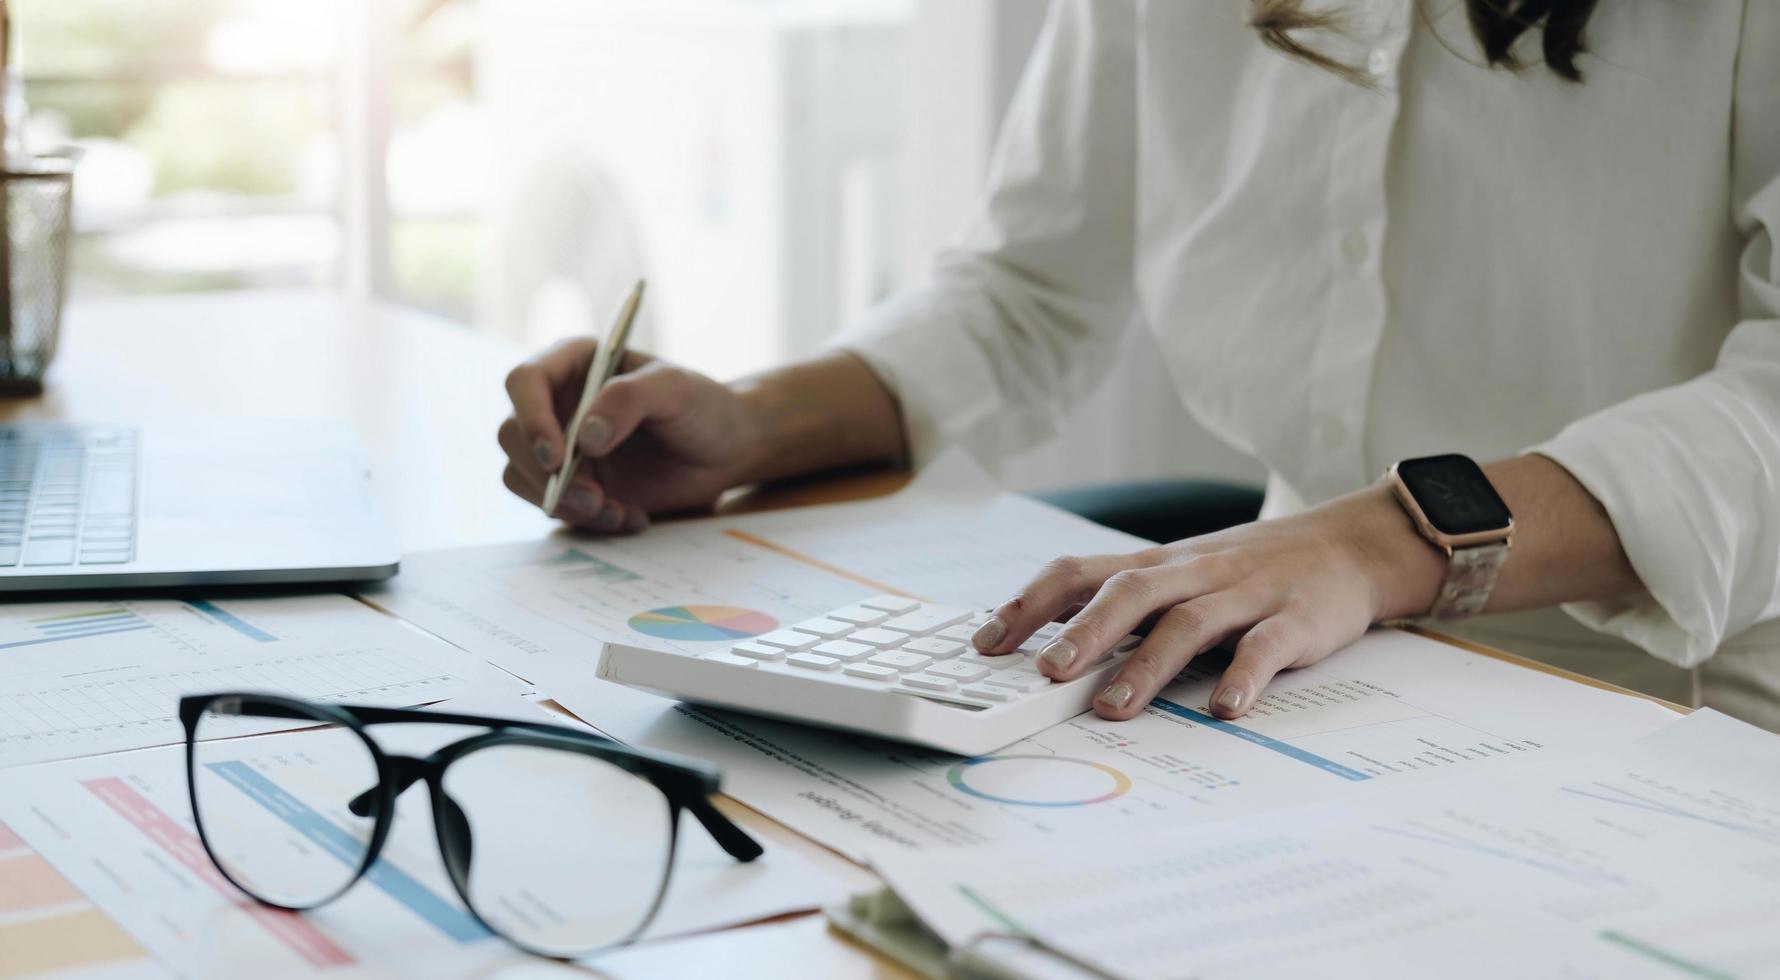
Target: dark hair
1497 24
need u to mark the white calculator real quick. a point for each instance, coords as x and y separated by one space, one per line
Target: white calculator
888 666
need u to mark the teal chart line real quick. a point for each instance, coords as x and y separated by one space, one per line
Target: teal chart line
1444 839
1636 802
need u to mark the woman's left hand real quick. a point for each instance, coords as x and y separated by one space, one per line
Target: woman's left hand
1289 592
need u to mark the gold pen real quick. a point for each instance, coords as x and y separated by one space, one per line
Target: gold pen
606 362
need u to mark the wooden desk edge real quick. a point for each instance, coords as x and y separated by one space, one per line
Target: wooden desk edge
1544 668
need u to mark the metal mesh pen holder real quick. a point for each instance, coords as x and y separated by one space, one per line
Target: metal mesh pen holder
38 209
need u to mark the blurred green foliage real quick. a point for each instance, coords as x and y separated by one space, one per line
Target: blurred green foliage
137 71
109 37
93 39
243 138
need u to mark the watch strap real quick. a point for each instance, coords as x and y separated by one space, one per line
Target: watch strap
1470 578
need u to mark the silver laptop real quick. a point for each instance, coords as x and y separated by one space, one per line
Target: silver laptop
201 502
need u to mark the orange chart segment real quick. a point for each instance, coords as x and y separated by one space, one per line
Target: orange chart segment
702 624
45 923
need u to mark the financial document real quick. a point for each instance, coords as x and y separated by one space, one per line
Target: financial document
1395 706
1659 858
80 678
101 859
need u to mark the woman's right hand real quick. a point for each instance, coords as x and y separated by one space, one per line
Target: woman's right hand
659 438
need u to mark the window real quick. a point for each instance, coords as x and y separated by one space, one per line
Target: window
489 159
221 140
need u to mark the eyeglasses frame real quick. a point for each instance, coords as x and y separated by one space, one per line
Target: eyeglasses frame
686 784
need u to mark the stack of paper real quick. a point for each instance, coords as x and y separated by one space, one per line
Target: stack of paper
80 678
1660 858
104 869
101 871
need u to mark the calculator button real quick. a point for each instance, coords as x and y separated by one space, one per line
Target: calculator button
935 647
757 651
787 639
844 650
898 660
824 627
927 619
957 634
988 693
1040 638
730 659
811 661
998 662
859 615
928 682
870 671
959 671
892 604
879 638
1024 681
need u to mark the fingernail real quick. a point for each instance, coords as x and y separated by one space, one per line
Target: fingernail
583 501
594 433
541 449
1230 700
1058 653
1116 696
989 634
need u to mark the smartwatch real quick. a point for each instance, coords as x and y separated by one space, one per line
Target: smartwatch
1454 506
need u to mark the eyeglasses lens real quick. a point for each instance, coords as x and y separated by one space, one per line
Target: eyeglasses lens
279 824
588 881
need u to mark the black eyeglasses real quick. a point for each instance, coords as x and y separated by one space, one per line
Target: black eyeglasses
294 829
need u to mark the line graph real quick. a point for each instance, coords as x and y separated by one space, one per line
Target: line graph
1420 831
1619 796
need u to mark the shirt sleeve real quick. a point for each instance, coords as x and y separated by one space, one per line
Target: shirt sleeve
1018 321
1690 475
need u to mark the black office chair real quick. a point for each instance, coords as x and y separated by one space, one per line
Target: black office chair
1161 510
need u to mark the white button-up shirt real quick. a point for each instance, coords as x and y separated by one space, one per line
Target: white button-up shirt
1457 259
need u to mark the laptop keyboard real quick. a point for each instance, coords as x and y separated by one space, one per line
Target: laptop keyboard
67 495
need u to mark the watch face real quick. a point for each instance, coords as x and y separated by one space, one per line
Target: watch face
1454 494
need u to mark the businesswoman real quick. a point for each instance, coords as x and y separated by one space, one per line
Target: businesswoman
1540 234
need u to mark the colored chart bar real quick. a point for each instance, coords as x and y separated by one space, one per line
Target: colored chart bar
225 618
1256 738
80 625
187 851
443 915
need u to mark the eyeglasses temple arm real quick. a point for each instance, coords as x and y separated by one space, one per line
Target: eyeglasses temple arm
730 837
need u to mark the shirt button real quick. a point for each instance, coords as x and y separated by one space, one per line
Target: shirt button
1378 62
1354 248
1332 431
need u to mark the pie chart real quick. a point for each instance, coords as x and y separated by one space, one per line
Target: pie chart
1038 780
702 624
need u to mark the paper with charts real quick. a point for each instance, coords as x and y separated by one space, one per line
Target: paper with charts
1394 706
104 874
1659 858
79 678
695 586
